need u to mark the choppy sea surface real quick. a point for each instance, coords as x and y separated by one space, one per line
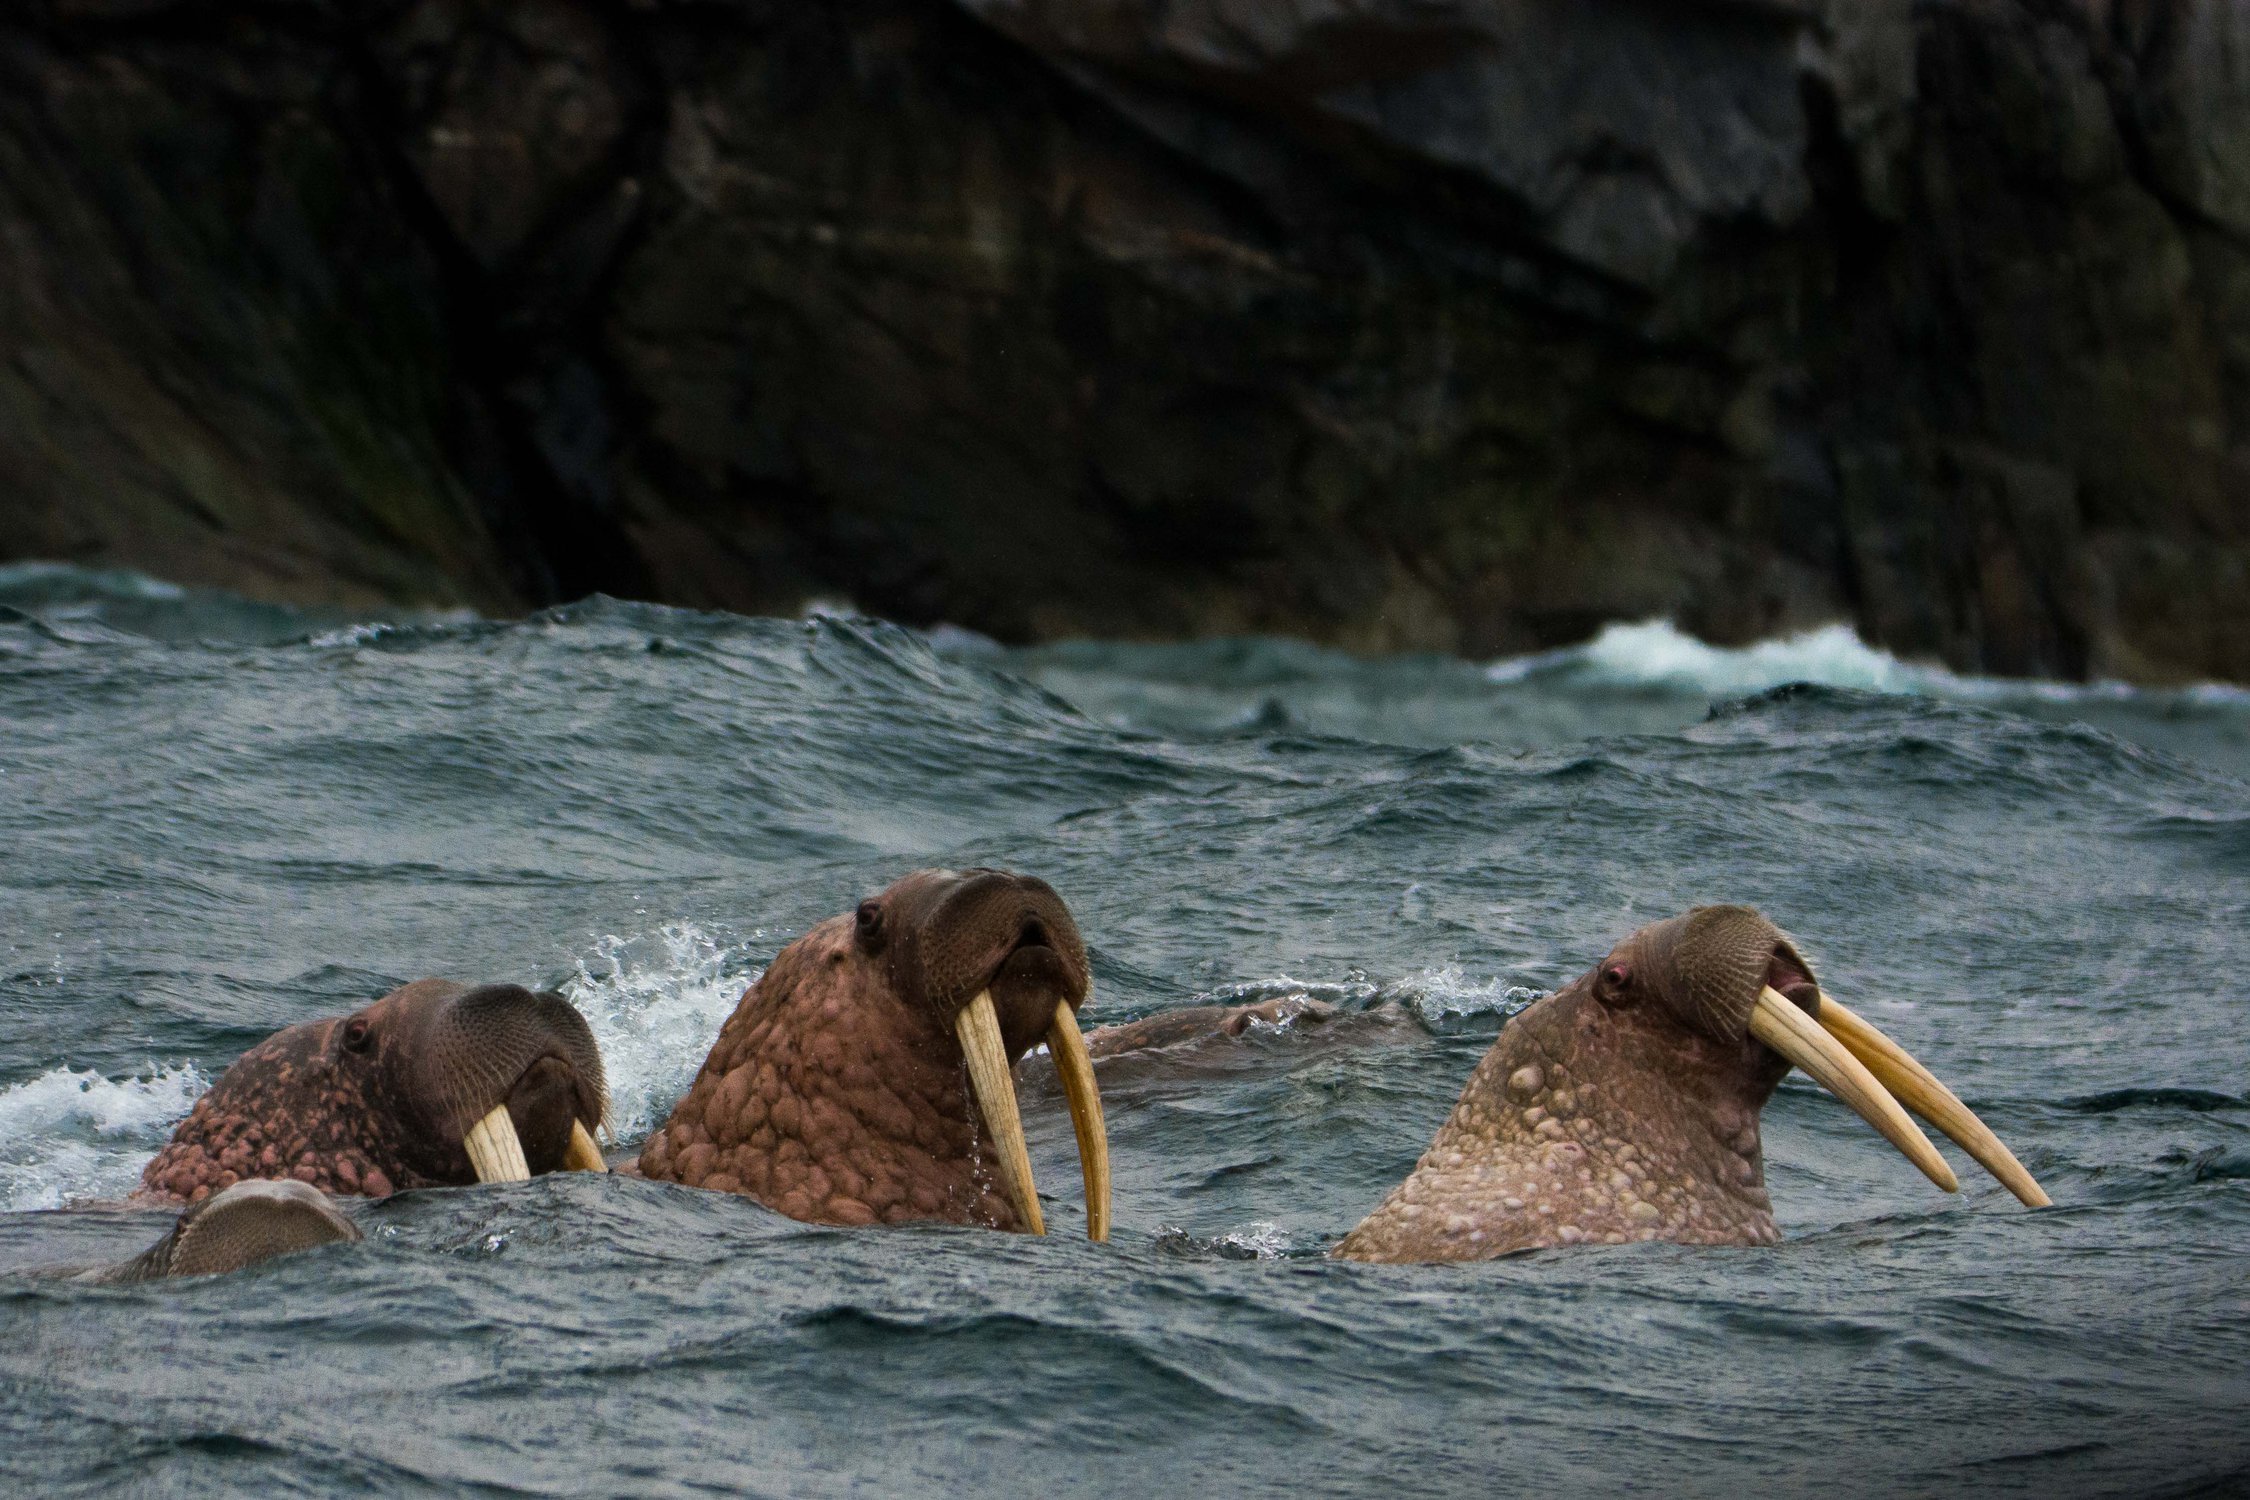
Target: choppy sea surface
219 818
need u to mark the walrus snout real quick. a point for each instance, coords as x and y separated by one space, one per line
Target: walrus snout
1707 968
517 1080
960 934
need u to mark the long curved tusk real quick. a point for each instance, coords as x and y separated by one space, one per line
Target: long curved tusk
582 1155
1798 1037
494 1150
1919 1090
978 1027
1076 1070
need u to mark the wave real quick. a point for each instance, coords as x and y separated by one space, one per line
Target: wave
1656 655
67 582
68 1135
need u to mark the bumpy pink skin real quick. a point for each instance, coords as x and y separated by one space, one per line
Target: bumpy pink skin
832 1099
1596 1119
366 1120
282 1111
837 1091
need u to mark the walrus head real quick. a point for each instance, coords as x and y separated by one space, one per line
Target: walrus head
434 1084
835 1091
237 1227
1625 1105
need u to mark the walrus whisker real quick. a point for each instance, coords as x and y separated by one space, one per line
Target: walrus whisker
582 1155
1919 1090
495 1150
978 1027
1067 1045
1786 1028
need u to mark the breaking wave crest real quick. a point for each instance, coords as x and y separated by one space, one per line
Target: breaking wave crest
68 1135
1657 655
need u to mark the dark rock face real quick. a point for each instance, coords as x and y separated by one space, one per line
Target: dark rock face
1465 324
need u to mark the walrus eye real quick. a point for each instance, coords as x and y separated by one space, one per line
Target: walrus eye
356 1034
1614 979
869 924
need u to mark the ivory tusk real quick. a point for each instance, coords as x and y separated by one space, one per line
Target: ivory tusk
1784 1027
978 1027
582 1155
1076 1070
1919 1090
494 1150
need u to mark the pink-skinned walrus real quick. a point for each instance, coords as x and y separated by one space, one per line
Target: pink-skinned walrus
435 1084
835 1091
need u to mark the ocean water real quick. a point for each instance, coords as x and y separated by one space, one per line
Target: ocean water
220 818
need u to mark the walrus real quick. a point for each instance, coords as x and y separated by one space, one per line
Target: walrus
234 1228
435 1084
1625 1105
1196 1023
867 1076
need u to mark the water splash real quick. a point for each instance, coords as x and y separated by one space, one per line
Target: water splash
1446 998
1260 1239
655 1002
1443 998
68 1134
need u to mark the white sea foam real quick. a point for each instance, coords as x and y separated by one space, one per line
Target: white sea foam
655 1003
1259 1240
1263 1240
351 635
71 1134
1445 996
1656 654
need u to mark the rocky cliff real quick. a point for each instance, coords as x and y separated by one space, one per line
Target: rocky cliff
1461 324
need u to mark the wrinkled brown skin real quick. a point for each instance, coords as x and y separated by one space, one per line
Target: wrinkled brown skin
837 1092
376 1102
235 1228
1622 1107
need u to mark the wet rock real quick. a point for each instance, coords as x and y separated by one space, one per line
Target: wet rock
1450 324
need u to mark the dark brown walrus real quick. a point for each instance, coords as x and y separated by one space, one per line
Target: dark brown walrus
866 1077
1625 1105
234 1228
434 1084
